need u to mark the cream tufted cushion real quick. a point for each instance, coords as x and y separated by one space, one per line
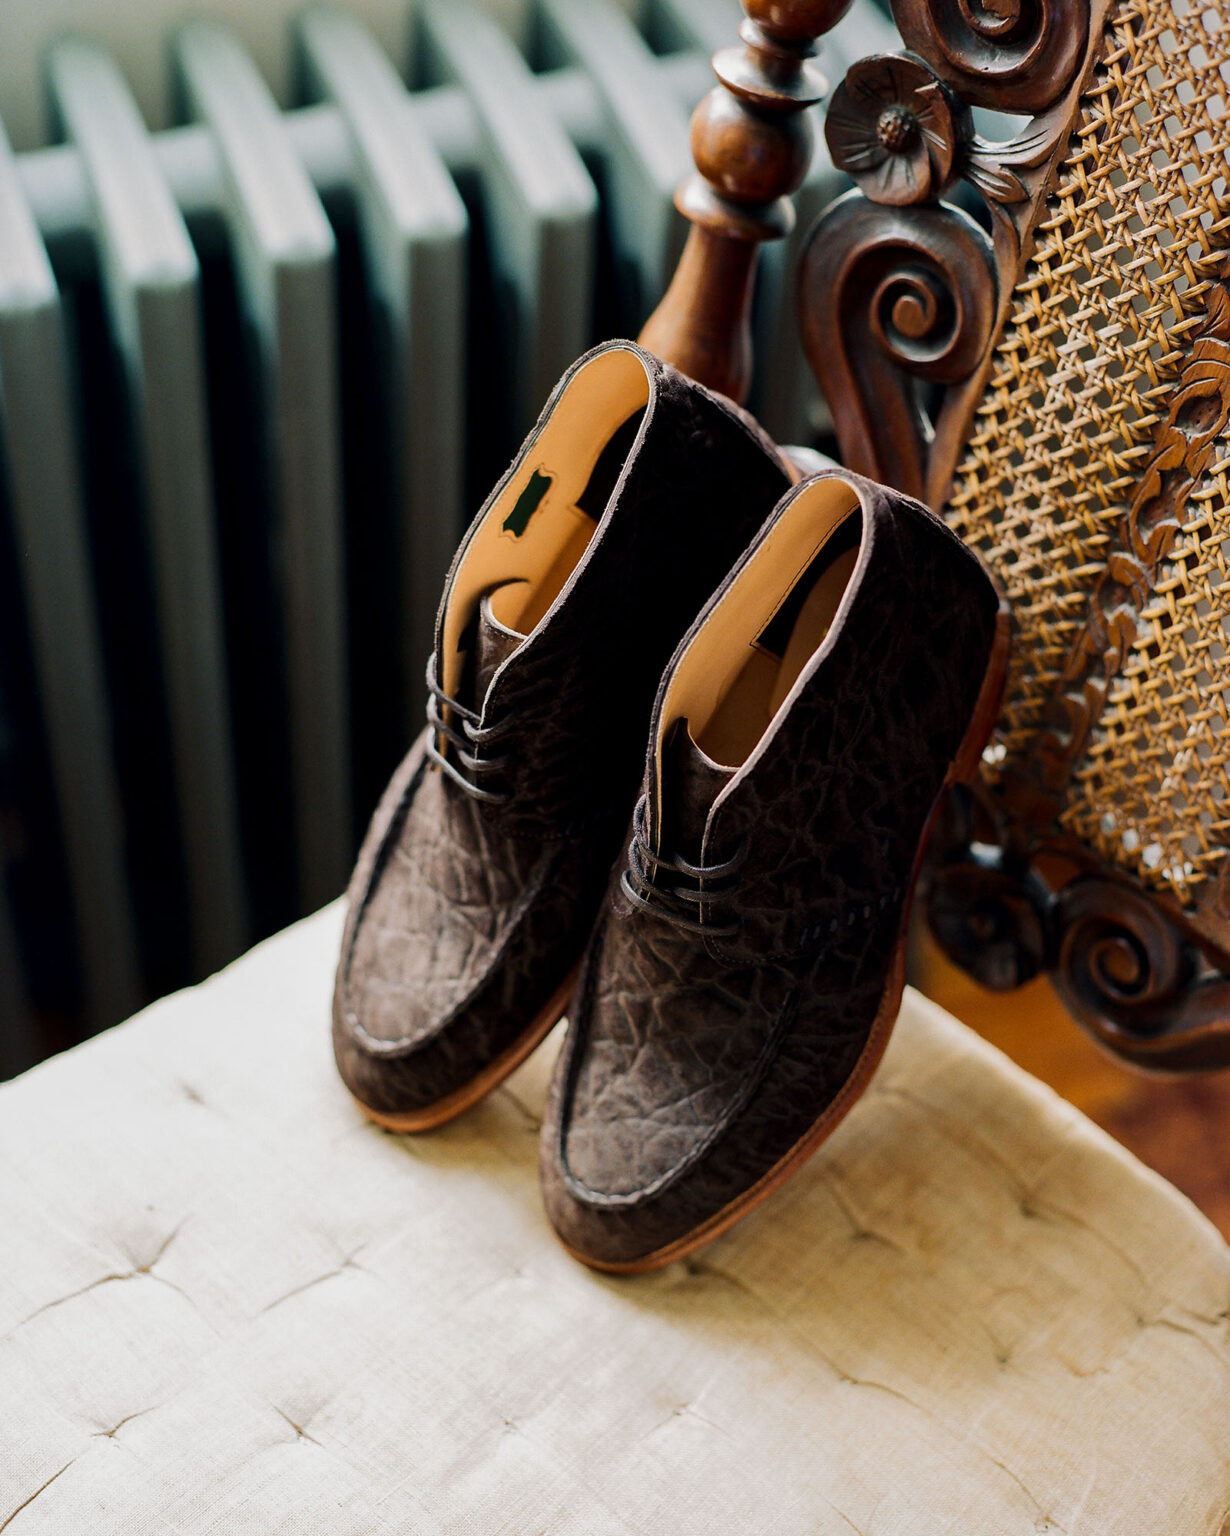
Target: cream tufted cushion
230 1305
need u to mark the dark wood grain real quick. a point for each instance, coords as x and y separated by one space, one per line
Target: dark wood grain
752 143
902 299
890 299
1010 55
905 137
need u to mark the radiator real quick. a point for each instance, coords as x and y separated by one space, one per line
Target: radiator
256 370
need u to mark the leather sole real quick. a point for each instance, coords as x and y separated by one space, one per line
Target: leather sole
962 768
492 1075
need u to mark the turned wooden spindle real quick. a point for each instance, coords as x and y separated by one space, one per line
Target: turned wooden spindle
752 144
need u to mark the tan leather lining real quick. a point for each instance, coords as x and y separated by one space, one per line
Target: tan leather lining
525 571
726 685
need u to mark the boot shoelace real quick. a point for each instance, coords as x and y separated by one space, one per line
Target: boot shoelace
469 742
687 906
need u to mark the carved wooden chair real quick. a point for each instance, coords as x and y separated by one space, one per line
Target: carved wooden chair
1034 336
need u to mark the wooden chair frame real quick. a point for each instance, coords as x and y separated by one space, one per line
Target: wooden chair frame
922 323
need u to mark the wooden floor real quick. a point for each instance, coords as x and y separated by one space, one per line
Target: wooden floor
1180 1127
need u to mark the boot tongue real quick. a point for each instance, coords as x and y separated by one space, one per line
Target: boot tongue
491 644
691 782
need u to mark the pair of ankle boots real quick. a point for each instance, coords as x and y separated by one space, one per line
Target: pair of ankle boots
791 673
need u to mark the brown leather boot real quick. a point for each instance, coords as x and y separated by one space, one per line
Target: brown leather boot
748 964
485 863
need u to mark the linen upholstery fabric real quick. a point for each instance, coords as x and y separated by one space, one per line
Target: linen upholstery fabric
465 918
230 1304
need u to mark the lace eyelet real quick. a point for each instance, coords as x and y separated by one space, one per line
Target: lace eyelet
674 902
472 733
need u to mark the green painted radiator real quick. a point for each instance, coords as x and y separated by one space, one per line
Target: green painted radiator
256 370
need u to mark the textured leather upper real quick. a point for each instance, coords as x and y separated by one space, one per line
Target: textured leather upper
466 917
695 1062
454 878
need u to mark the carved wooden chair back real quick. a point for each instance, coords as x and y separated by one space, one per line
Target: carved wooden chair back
1034 336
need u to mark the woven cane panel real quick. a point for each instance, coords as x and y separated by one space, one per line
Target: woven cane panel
1102 316
1154 786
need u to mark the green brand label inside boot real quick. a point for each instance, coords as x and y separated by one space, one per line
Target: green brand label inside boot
528 503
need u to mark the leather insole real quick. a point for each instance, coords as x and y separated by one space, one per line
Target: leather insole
537 530
764 680
588 508
736 674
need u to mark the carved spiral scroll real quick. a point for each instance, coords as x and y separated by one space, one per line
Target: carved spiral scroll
987 910
990 920
891 299
1130 977
1011 55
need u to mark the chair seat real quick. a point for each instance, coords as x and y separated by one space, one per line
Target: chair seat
230 1304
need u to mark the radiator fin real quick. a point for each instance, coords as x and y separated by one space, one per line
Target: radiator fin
42 493
413 232
285 268
151 286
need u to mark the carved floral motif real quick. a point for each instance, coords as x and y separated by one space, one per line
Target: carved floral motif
895 129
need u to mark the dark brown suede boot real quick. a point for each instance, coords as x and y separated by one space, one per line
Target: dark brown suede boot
485 863
748 964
